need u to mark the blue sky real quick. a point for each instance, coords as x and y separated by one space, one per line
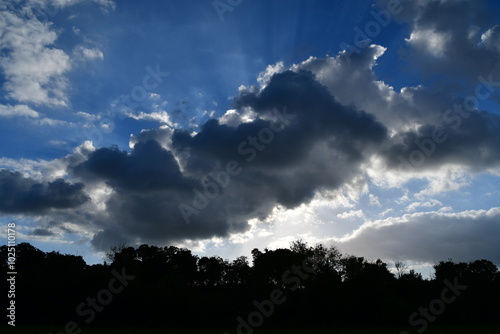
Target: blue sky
73 181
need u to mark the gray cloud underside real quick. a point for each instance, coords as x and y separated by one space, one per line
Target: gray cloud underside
19 194
322 147
427 237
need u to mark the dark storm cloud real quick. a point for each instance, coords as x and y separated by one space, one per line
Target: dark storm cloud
148 189
317 116
19 194
472 141
468 34
162 135
312 142
321 146
40 232
155 218
147 167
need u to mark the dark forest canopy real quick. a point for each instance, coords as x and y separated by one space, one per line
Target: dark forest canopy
310 286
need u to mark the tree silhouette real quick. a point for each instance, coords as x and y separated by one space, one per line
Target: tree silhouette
401 268
174 288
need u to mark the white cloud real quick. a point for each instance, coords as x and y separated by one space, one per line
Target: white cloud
89 117
264 77
351 214
48 170
374 200
154 96
491 38
163 135
447 178
88 54
429 204
53 122
283 242
58 143
386 212
19 110
158 116
66 3
432 42
33 69
234 118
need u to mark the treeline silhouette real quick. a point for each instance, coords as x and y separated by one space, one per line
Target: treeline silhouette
301 287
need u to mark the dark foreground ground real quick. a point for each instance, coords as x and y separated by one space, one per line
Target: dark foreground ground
430 330
314 289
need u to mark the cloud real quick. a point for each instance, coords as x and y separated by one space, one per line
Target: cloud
386 212
148 187
104 3
265 76
233 117
429 204
450 35
154 96
351 214
34 71
491 38
159 116
163 135
353 83
19 194
310 135
148 167
429 237
374 200
87 116
432 42
88 54
447 179
426 128
42 232
51 7
19 110
320 119
470 142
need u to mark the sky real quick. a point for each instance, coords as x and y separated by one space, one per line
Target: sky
228 125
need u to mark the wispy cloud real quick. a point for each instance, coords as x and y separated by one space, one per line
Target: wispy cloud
19 110
87 53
